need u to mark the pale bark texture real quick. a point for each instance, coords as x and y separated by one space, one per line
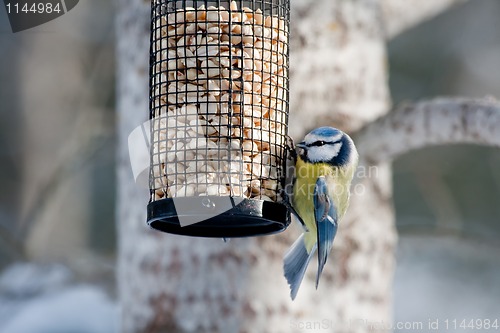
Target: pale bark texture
199 285
439 121
180 284
338 66
339 78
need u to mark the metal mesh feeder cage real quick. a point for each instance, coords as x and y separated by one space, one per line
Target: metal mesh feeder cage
219 114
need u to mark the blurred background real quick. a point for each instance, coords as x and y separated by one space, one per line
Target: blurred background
57 172
447 199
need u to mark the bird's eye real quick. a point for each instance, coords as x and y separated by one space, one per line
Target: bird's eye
318 143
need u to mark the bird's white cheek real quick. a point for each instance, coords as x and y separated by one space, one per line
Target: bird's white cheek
324 153
336 149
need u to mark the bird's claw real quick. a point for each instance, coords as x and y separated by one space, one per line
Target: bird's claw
290 147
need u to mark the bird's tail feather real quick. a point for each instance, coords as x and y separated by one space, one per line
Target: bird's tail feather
295 264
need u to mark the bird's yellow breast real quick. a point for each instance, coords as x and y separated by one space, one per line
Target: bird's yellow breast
338 180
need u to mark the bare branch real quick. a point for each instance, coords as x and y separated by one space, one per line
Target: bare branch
400 15
435 122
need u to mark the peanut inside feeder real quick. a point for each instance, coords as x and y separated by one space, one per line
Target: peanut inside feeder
219 99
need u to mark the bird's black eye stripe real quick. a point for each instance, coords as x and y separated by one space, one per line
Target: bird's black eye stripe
317 143
321 143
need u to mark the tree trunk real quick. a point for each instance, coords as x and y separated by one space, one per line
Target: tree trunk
205 285
342 81
180 284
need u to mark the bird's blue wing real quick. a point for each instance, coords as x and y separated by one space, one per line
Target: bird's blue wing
325 214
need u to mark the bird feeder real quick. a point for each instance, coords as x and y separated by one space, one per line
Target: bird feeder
219 117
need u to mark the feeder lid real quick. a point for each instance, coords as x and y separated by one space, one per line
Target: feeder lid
216 216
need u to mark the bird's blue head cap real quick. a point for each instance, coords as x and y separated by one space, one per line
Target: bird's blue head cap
327 145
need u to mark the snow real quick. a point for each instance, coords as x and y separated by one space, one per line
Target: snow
81 309
39 299
22 280
437 278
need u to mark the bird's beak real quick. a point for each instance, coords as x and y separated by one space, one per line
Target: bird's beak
301 145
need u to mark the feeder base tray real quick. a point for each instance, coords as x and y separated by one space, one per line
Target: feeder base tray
215 216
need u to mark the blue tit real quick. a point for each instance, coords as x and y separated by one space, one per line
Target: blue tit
325 166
